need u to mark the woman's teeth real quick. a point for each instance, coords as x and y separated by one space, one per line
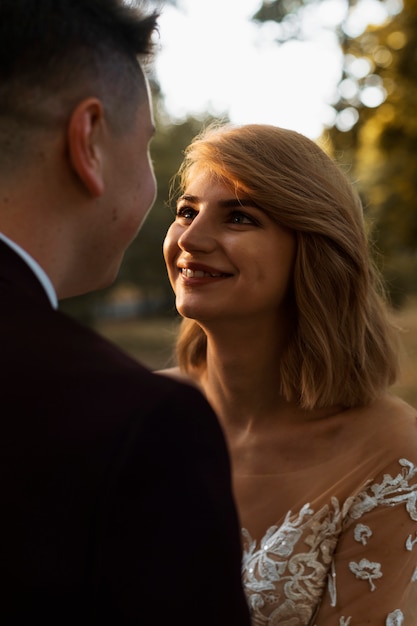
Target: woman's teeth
197 273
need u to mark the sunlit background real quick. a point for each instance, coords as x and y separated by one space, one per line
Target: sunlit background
215 58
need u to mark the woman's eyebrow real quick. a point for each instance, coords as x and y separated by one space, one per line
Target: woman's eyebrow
238 202
188 198
227 203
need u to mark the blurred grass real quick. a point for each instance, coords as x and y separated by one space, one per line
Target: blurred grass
151 341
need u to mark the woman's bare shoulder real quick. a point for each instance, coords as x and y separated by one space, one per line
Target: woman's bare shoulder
392 422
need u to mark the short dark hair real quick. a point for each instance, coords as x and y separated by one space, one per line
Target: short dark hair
64 50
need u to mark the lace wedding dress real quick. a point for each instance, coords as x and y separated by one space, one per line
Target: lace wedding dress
347 557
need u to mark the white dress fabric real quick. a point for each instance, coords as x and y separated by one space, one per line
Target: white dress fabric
348 555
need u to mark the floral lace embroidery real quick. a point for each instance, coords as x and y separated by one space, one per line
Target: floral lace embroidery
362 533
286 574
410 543
395 619
365 570
391 491
299 577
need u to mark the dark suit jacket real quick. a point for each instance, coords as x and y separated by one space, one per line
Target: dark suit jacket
116 503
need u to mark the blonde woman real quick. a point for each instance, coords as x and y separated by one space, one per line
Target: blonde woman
286 332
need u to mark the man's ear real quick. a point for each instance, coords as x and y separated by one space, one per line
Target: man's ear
85 134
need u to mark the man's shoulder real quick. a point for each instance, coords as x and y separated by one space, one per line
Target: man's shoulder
95 355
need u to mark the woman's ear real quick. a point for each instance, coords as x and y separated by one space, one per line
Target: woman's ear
85 134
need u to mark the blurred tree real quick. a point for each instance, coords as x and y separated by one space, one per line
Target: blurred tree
385 141
360 86
375 127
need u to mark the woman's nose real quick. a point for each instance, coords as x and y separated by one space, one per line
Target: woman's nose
198 236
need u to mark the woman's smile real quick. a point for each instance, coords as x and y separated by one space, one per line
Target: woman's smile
187 273
197 270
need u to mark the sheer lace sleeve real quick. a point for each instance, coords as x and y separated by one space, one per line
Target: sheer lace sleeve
348 562
373 574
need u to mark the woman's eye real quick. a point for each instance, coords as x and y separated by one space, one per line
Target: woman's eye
186 213
241 218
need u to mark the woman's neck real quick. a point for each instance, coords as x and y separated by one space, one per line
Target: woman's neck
241 376
241 380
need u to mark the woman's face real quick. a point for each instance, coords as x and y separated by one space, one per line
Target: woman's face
226 258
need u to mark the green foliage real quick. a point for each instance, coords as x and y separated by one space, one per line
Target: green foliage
386 146
400 274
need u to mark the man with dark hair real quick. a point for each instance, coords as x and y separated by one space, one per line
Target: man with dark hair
116 503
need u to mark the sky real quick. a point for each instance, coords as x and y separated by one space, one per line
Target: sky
213 58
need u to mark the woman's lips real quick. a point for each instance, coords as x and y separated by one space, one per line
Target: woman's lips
189 273
200 272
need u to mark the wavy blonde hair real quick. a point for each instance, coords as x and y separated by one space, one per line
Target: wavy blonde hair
343 347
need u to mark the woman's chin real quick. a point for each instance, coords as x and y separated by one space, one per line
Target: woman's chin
193 312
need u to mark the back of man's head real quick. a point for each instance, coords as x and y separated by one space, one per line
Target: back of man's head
56 52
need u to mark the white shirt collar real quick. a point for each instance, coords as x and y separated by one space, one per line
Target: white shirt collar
36 269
